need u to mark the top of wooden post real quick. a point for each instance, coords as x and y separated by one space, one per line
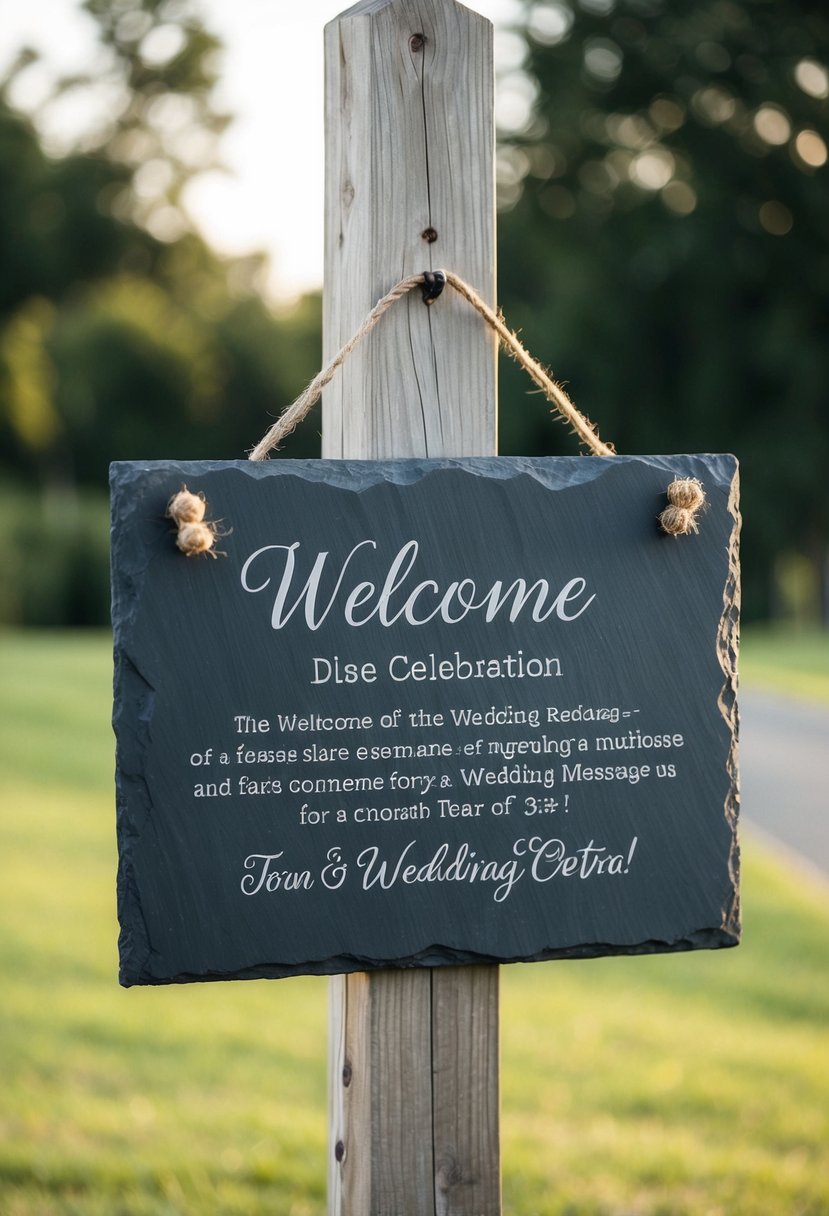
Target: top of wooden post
371 7
409 188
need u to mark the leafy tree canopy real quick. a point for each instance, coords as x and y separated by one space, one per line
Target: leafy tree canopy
122 334
664 236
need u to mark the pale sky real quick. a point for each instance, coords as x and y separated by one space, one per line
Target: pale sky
273 83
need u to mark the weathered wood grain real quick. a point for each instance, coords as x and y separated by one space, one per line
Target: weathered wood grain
409 150
465 1045
414 1089
410 187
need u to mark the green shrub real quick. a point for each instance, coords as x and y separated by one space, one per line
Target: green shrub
54 561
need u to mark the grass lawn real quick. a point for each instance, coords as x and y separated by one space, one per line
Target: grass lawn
690 1085
787 661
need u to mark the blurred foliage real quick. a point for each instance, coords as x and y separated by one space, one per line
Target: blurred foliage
54 561
164 66
663 241
122 335
664 234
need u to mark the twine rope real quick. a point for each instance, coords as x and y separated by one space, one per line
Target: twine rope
555 393
195 535
686 498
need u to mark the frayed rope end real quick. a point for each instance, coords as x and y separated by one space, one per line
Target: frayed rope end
686 498
196 536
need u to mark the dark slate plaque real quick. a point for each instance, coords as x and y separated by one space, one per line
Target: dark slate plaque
423 713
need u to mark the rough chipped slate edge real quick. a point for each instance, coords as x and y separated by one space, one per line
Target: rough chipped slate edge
133 808
728 648
440 956
132 797
554 473
580 470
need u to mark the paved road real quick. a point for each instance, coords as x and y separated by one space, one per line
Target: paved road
784 762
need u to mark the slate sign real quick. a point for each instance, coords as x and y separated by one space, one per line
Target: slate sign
422 713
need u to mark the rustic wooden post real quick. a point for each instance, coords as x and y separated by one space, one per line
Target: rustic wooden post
409 187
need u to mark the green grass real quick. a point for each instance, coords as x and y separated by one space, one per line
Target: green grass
690 1085
787 660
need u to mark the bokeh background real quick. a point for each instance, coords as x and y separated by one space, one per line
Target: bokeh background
664 213
663 220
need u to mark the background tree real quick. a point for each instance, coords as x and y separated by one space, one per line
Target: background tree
164 126
665 235
122 335
663 241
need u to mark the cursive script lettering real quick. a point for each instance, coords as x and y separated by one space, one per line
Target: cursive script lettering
398 598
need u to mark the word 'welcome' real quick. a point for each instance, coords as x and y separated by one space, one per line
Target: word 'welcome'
394 601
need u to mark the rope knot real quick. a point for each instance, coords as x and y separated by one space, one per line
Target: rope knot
686 498
196 535
434 282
